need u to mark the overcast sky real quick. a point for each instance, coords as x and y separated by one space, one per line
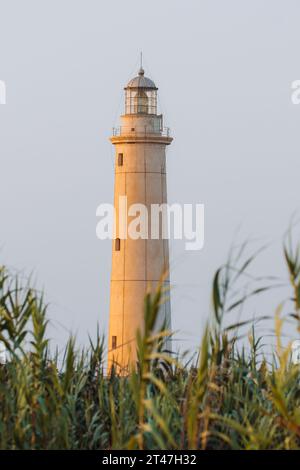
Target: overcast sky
224 71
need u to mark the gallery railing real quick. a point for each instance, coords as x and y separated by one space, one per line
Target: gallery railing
140 131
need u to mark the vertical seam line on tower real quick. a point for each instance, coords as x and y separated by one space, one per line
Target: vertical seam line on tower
124 275
145 181
162 200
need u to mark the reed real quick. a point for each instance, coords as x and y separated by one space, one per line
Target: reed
228 397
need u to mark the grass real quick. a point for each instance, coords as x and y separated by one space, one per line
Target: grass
228 397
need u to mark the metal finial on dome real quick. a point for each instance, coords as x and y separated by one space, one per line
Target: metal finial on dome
140 81
141 71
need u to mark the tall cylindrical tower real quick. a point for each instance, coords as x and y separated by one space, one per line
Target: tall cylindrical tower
140 175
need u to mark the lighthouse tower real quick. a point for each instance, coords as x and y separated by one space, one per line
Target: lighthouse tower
140 174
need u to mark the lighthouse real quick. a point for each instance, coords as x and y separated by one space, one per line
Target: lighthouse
140 178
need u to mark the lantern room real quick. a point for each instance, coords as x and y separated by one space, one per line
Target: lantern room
141 95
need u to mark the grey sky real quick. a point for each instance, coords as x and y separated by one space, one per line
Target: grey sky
224 72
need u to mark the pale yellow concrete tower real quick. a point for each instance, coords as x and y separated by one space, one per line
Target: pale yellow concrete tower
140 175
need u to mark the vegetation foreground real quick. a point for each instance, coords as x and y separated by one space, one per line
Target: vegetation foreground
227 397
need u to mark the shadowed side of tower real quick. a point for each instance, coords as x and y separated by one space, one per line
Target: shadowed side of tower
140 176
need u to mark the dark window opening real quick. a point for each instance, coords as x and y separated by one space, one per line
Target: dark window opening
132 129
120 159
114 342
117 244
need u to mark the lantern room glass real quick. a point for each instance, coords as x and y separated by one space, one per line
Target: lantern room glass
140 101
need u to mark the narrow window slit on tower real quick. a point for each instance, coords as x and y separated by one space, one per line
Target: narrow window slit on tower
120 159
117 244
114 342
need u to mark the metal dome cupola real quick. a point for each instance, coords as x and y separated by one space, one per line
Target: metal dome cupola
141 95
